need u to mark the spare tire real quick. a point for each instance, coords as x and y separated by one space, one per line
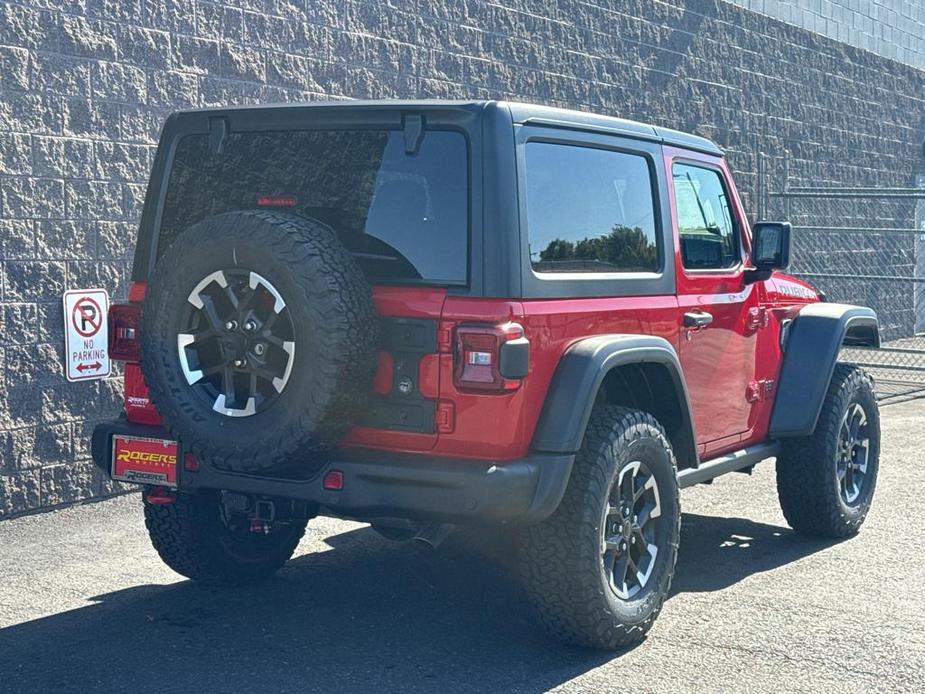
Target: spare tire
258 340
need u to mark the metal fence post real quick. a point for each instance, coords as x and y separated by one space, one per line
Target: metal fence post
919 251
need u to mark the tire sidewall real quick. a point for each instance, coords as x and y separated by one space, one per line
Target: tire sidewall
334 329
191 537
858 392
195 411
650 450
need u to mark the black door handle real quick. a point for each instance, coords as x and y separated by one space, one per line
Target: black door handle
697 319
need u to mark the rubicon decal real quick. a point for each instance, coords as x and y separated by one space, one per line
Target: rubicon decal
795 290
144 460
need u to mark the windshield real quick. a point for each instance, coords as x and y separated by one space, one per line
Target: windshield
403 216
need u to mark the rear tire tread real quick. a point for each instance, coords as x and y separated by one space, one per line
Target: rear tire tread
185 535
561 574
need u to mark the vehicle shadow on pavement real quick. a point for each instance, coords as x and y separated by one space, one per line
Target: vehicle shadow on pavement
716 553
368 615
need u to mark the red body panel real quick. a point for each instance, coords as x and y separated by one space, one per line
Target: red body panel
487 425
553 325
138 407
406 302
720 361
730 366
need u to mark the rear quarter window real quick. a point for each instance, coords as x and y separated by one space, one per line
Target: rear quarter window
589 210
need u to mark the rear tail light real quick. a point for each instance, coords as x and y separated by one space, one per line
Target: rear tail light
491 358
124 320
123 331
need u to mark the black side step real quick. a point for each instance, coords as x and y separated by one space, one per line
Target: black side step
730 462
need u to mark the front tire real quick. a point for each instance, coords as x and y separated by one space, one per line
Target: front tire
599 569
193 537
826 481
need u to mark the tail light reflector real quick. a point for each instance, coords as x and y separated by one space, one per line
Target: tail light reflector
490 358
159 496
136 292
385 369
123 331
333 481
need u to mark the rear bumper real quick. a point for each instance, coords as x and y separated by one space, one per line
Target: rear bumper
380 484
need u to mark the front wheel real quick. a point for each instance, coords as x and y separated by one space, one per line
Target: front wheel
195 537
826 481
600 567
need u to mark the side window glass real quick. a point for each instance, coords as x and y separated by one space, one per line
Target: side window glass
709 239
589 210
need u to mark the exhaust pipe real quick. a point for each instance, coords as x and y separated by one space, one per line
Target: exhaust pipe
433 534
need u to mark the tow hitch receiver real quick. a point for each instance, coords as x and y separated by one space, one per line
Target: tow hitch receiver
144 460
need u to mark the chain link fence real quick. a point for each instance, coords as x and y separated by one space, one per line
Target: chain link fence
865 246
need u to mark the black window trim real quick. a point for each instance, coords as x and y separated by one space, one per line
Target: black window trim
598 284
733 270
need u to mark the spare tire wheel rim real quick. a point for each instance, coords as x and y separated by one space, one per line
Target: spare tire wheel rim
236 343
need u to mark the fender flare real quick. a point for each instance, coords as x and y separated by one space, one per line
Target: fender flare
811 347
578 379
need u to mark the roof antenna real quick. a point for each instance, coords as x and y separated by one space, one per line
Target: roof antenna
414 133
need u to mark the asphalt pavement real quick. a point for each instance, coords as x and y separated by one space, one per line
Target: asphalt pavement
86 605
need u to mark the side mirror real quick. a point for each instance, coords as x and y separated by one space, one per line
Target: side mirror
770 249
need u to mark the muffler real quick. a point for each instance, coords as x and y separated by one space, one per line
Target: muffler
433 534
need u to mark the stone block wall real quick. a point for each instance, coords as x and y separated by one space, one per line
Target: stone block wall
85 85
891 28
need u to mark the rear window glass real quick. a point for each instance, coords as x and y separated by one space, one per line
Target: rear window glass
403 216
589 210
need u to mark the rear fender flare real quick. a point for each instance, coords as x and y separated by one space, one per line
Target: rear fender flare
578 379
811 348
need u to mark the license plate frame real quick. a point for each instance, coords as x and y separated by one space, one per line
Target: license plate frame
144 460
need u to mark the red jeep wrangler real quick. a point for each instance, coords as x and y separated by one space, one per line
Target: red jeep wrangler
423 314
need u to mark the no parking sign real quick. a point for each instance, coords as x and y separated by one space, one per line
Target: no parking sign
86 334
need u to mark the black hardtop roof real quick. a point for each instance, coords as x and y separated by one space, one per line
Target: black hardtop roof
548 115
521 113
